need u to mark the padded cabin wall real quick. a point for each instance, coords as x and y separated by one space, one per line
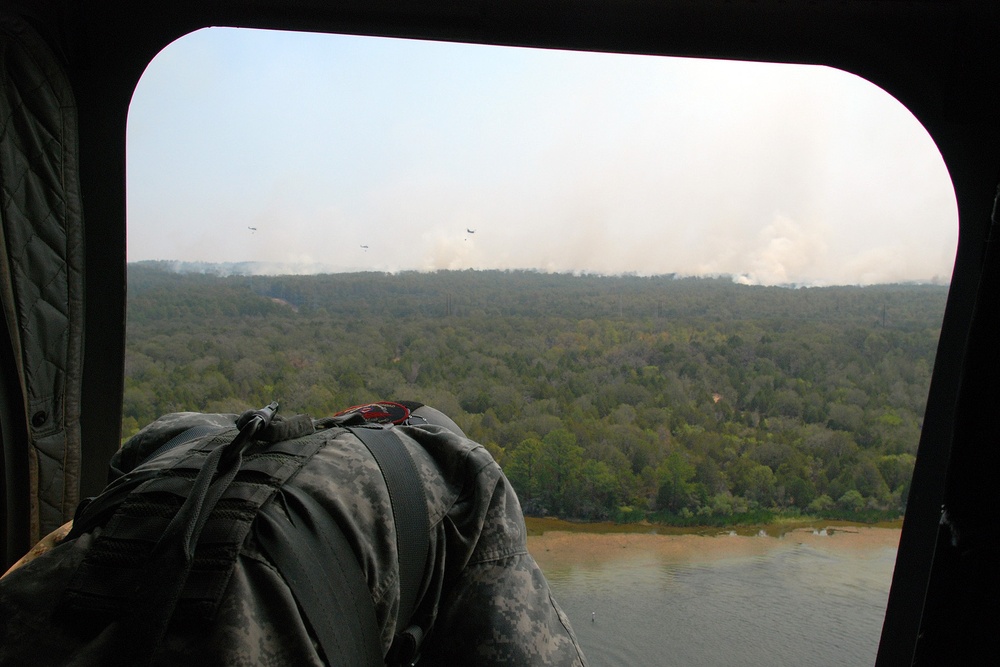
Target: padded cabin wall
41 281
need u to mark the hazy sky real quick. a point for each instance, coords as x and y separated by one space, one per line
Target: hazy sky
558 161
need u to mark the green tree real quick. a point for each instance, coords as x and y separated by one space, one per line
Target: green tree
754 481
676 486
561 464
599 488
852 501
524 470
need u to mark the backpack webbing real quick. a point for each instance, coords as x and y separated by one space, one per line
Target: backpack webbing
123 558
335 601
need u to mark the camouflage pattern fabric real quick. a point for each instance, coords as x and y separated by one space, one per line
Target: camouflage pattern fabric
484 601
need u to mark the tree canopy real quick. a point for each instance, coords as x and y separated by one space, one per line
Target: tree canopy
684 400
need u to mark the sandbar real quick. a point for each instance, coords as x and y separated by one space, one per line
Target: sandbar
557 547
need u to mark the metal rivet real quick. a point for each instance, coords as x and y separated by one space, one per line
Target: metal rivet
38 419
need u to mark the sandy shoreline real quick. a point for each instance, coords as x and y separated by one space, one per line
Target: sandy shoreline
581 548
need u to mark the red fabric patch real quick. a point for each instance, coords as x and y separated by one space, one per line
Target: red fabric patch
383 412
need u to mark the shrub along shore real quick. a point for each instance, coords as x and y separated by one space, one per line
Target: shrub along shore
538 526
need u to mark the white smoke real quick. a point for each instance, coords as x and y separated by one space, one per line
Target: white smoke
559 161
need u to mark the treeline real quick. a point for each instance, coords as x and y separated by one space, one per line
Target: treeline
693 401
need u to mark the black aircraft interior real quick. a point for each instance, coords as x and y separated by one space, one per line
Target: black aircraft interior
940 58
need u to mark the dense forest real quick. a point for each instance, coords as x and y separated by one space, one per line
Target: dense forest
687 401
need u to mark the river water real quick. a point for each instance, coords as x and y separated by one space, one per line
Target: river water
809 597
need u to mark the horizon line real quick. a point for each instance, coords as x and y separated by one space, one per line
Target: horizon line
281 269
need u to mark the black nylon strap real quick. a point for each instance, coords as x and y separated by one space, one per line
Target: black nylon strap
320 568
409 512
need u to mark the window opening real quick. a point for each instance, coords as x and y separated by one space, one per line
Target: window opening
692 298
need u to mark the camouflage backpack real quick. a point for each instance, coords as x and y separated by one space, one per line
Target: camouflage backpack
174 520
